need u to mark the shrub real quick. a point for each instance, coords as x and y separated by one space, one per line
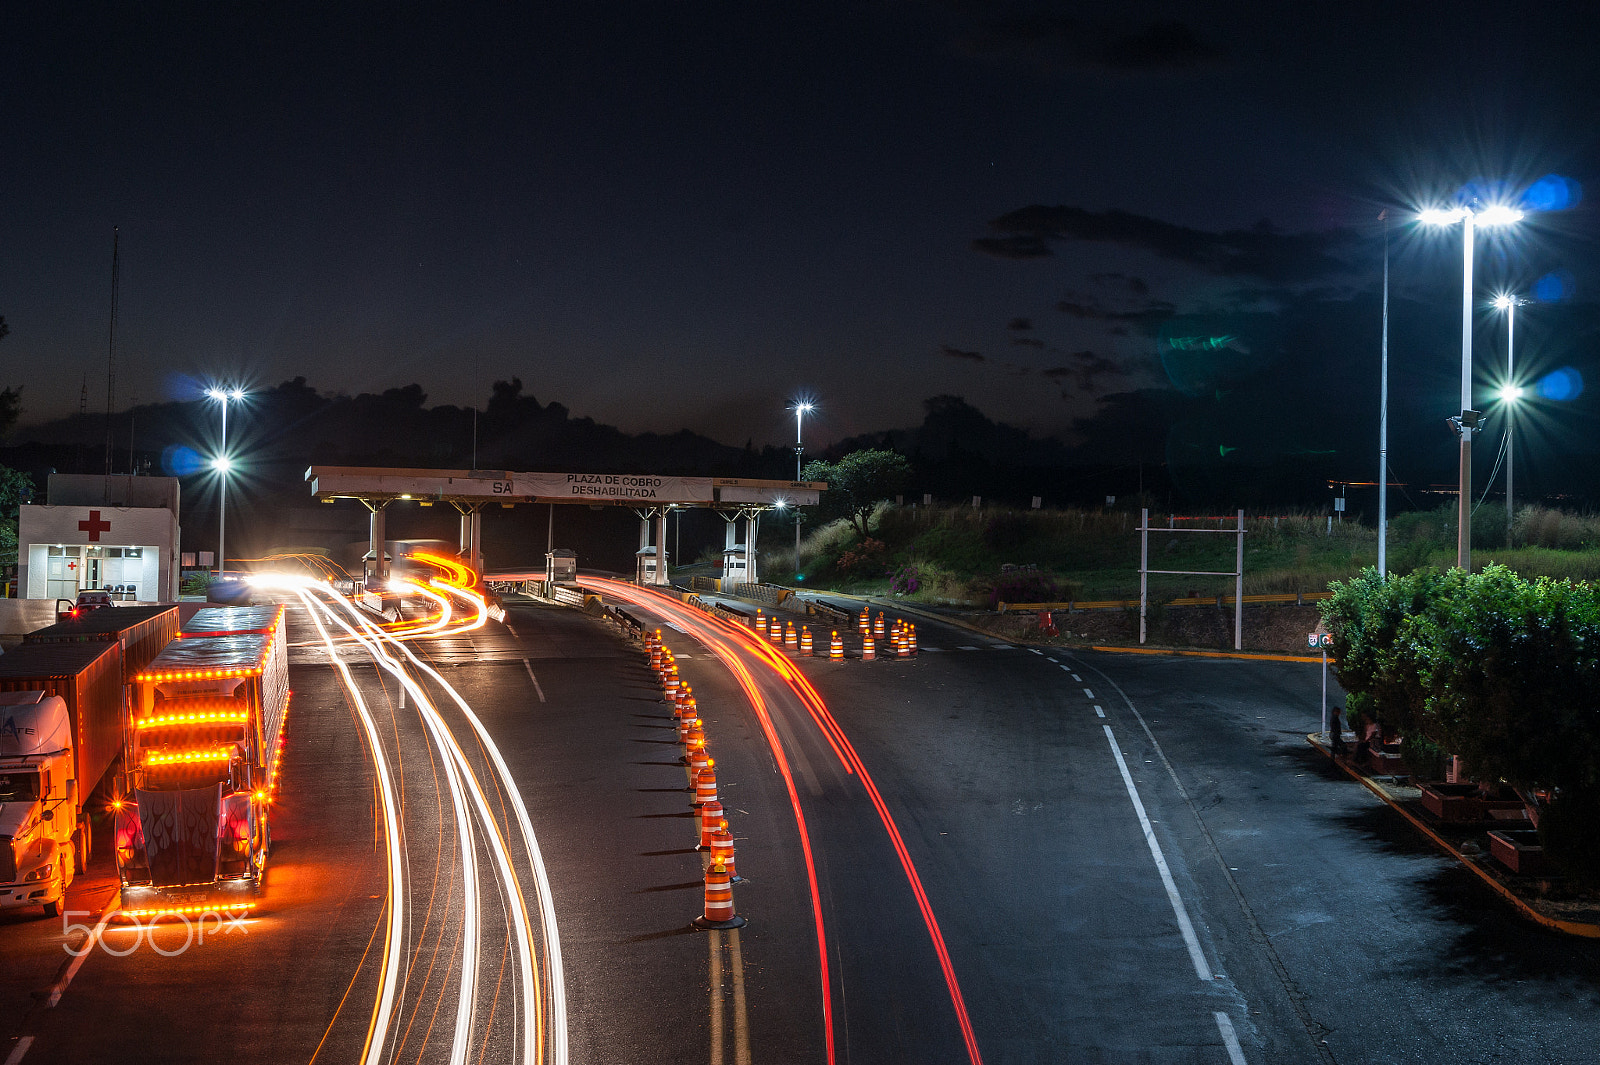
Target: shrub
1029 587
864 559
905 580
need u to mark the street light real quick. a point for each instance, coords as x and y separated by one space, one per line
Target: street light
801 409
1466 423
1510 392
223 464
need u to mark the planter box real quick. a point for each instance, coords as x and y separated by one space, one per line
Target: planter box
1518 851
1455 803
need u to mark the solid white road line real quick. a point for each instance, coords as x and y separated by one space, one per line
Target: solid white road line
1201 968
83 952
1230 1039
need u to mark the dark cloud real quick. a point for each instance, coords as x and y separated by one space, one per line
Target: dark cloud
1159 46
1114 280
1085 370
1027 342
1019 247
1019 324
1151 315
1281 258
957 353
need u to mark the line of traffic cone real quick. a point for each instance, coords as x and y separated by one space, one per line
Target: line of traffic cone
836 649
719 912
705 784
791 641
807 647
869 648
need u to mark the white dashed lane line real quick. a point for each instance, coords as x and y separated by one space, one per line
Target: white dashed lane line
1088 693
1075 676
1099 712
967 647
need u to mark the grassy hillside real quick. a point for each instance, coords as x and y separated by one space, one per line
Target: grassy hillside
961 555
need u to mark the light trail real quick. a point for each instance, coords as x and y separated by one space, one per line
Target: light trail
533 1000
378 1030
812 700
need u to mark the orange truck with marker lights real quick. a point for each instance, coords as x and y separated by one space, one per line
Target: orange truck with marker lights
204 730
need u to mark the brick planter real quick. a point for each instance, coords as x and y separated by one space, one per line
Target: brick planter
1453 803
1518 851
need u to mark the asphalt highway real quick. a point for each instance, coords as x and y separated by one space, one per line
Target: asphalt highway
982 853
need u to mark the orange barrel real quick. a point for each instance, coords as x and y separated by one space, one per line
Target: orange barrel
869 649
722 851
913 639
719 901
710 820
836 649
698 759
807 648
865 623
877 625
705 784
790 640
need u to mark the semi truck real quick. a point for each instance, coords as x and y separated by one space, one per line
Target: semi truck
200 756
61 710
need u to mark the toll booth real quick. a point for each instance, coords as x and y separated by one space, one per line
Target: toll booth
645 563
560 565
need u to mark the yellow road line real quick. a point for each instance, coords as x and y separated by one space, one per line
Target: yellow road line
741 1020
714 943
1245 655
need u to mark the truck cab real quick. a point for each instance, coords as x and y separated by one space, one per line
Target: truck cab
40 837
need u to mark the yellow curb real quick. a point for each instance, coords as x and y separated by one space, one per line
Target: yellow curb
1573 928
1247 655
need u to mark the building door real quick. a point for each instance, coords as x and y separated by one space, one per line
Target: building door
64 567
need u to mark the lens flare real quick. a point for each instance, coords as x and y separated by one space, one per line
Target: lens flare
1561 385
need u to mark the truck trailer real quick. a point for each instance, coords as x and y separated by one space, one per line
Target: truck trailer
205 723
61 713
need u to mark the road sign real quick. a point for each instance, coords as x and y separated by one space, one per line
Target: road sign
1319 639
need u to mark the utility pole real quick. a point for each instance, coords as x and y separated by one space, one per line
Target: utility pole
111 349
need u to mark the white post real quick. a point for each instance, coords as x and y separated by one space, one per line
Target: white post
1325 691
1238 588
1144 567
752 528
662 580
222 501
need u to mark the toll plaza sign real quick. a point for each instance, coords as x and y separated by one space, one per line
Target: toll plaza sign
613 487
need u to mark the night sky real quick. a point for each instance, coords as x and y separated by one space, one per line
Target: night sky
680 215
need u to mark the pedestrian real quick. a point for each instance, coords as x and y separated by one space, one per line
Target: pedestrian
1336 732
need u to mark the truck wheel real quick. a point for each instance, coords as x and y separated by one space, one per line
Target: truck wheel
52 909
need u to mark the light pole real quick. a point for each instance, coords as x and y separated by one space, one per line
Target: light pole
1466 423
222 464
1383 417
800 411
1510 392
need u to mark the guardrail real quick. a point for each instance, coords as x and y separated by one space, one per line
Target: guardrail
833 615
770 594
701 583
1071 606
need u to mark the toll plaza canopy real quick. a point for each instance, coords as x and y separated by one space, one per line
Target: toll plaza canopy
637 490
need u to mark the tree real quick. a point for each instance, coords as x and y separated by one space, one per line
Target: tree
10 398
15 488
857 483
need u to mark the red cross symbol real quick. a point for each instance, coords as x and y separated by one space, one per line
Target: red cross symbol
94 526
72 565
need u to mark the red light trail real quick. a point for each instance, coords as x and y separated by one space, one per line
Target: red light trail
708 627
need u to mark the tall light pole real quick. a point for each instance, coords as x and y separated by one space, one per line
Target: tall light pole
800 411
1383 416
1466 423
1510 392
223 464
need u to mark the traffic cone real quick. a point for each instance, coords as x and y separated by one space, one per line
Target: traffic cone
775 632
791 642
698 759
719 901
686 727
869 649
710 819
865 623
913 639
705 784
807 648
902 643
669 683
877 625
722 851
836 649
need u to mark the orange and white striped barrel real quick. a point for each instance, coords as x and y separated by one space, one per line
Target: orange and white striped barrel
807 647
686 726
791 641
719 900
869 648
877 625
913 635
699 759
902 643
865 623
705 784
710 821
836 649
722 851
670 682
761 622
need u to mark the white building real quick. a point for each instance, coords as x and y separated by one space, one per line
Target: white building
115 532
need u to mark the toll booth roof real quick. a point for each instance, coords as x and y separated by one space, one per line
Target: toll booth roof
218 620
238 654
105 623
55 659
